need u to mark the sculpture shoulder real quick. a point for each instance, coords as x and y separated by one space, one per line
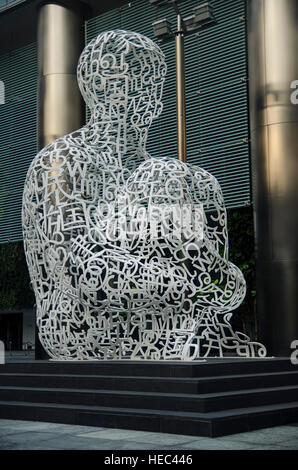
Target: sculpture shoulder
59 152
74 170
72 154
173 168
170 180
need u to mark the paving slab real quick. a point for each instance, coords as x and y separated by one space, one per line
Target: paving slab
29 435
140 437
267 436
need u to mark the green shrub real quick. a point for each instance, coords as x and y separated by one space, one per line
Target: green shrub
242 254
15 290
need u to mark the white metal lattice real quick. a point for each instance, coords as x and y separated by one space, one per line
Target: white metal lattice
128 254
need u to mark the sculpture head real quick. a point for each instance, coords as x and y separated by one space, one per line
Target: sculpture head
124 70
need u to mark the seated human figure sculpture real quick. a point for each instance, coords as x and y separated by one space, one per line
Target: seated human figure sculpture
127 254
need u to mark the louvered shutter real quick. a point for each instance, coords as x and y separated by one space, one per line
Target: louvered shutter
216 90
18 71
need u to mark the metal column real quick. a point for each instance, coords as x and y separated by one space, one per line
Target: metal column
273 66
60 106
60 42
180 90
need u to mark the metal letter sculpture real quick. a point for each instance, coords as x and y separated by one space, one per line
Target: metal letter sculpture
127 254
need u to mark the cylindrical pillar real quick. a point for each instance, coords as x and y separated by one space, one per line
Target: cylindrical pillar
60 42
273 66
180 91
60 106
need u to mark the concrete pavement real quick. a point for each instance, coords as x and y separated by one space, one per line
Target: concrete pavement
29 435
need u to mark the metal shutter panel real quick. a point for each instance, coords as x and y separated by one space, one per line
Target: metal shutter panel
216 90
18 146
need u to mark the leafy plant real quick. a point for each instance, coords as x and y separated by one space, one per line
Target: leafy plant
15 291
242 254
